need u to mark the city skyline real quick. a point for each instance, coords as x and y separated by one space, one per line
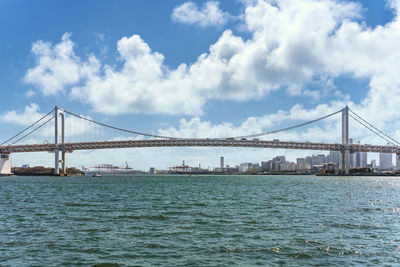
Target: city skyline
356 160
210 69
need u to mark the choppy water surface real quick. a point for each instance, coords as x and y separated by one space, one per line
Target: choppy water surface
205 221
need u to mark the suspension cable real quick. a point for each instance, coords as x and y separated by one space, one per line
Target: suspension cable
34 130
372 130
27 128
288 128
120 129
393 141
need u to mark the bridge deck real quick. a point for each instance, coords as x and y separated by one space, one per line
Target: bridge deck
197 143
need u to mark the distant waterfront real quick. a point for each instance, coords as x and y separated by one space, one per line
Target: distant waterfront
207 220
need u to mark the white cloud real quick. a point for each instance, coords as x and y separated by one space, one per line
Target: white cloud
233 68
58 66
29 115
292 44
197 128
30 93
209 15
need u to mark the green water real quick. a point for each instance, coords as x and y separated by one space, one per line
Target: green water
199 221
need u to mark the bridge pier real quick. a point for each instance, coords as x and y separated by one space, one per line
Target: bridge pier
397 161
58 112
56 162
63 166
345 140
5 164
56 151
345 161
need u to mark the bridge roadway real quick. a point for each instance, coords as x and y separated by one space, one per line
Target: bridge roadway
207 142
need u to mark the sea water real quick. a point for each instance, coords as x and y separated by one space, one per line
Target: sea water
199 221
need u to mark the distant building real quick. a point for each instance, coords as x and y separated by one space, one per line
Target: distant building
373 164
266 165
303 166
287 166
221 164
300 160
352 156
385 161
244 167
279 158
397 161
361 159
335 157
315 160
255 166
330 167
152 170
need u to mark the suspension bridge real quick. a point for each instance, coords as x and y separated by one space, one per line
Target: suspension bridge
60 145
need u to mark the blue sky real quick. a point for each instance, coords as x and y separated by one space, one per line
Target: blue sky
95 28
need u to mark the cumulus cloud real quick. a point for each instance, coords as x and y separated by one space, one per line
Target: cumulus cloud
58 66
293 44
196 128
233 69
208 15
30 93
29 115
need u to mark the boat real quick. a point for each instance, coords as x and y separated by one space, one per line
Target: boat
97 175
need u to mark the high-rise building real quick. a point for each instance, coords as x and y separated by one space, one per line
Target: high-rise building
266 165
245 167
385 161
397 161
221 164
300 160
335 157
316 160
279 158
360 159
352 159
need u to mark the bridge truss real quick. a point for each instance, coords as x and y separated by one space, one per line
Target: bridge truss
249 141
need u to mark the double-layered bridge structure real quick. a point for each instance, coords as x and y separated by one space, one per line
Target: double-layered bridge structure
248 141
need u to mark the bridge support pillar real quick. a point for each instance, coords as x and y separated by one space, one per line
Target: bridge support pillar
58 112
56 151
345 161
397 161
5 164
345 140
64 171
56 161
63 168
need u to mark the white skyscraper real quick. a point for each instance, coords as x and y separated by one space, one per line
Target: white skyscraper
352 156
361 159
397 161
385 161
335 157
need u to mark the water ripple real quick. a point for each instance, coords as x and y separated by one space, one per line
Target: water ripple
203 221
